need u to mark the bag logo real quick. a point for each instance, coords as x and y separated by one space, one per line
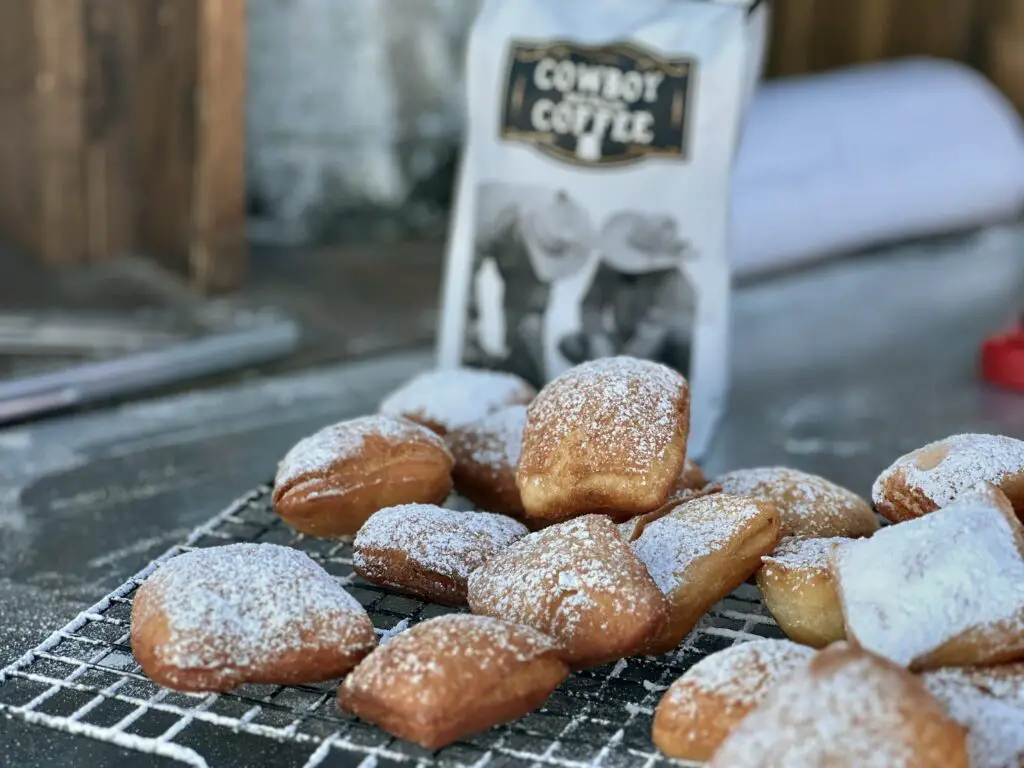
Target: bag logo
597 105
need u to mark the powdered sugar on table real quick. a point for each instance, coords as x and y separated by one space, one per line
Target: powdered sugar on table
338 442
914 586
247 603
941 470
455 397
445 541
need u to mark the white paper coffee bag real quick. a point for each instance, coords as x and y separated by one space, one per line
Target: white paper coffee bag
593 202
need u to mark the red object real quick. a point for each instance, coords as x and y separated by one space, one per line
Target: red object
1002 359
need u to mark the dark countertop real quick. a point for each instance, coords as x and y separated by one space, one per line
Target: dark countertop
837 370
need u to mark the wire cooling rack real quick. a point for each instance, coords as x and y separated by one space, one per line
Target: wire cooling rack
83 679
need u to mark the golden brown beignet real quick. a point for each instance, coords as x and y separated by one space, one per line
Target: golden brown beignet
452 676
703 706
213 619
430 551
486 455
946 589
933 476
800 593
989 703
451 398
846 709
578 582
332 481
700 552
811 506
608 436
691 479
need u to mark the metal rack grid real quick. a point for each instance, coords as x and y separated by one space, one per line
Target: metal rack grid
83 679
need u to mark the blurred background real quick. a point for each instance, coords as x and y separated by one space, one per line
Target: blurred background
175 166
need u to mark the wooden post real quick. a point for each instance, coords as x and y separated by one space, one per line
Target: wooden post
123 132
111 190
1002 44
217 251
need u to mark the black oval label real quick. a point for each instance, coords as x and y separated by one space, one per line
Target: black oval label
597 105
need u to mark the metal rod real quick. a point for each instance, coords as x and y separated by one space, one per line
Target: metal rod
35 395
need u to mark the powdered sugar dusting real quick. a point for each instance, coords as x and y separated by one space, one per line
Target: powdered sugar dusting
249 604
496 440
345 440
914 586
741 675
431 660
447 542
671 544
621 403
810 505
553 578
965 461
991 709
845 716
1005 682
793 553
455 397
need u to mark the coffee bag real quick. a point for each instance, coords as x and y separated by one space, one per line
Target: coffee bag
592 207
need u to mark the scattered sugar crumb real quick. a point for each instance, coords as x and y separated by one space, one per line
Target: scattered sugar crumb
388 635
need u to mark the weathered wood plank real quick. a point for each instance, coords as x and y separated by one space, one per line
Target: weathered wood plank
217 250
111 190
124 133
57 225
1002 46
165 116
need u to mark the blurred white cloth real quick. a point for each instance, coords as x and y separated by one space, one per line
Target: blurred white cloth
841 161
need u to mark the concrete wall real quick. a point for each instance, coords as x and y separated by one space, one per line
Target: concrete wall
352 104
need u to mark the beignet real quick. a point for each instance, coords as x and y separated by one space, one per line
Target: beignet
608 436
578 582
332 481
452 676
213 619
430 551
